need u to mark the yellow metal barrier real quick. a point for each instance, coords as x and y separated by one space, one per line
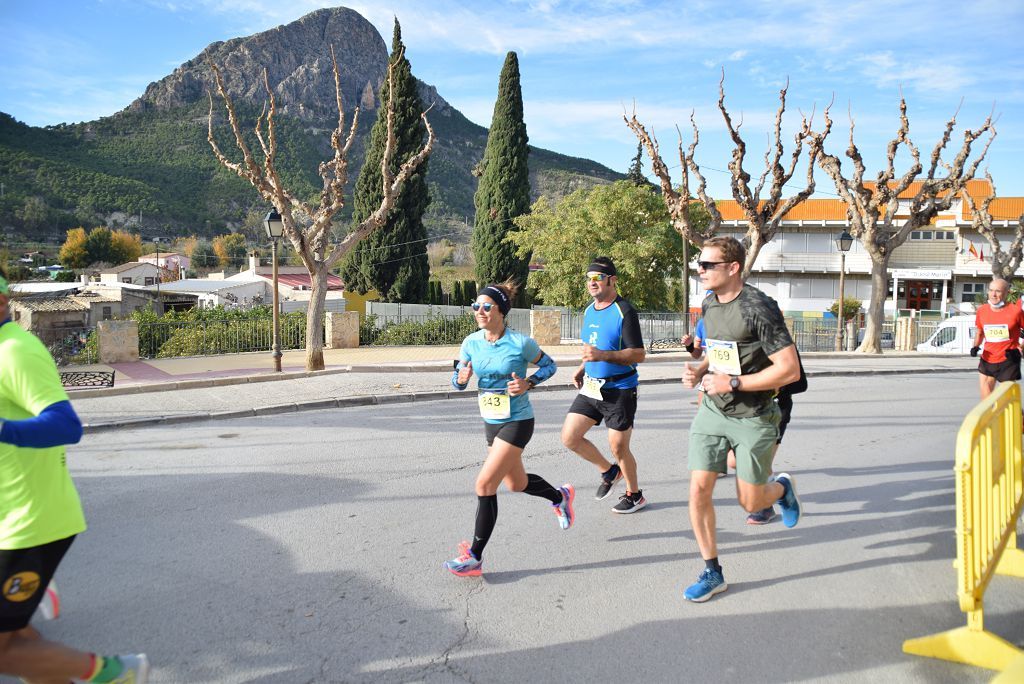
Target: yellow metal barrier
989 497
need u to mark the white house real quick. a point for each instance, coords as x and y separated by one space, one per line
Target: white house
941 270
171 261
212 293
132 273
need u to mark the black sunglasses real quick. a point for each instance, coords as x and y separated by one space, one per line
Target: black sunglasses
486 306
710 265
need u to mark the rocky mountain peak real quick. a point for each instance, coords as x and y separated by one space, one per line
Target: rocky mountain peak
297 57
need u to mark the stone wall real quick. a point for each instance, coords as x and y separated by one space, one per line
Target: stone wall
342 330
546 327
118 341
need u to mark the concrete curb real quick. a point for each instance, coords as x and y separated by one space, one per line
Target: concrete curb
657 356
382 399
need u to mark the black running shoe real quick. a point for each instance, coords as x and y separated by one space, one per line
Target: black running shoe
630 503
608 482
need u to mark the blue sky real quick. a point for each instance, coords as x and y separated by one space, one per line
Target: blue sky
583 62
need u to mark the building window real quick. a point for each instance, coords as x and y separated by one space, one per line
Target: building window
932 235
126 280
971 293
149 281
108 313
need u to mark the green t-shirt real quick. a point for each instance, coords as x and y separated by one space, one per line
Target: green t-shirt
741 335
38 501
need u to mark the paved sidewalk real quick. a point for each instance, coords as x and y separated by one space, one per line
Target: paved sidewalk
163 391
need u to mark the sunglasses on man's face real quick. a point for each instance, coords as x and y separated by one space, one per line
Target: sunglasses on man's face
710 265
486 306
597 277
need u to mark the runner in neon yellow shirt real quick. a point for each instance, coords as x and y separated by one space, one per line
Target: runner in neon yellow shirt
40 513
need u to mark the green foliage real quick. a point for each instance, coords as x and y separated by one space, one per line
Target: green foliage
626 222
504 190
851 307
393 258
65 277
433 330
218 330
458 297
635 174
469 290
203 257
100 245
231 249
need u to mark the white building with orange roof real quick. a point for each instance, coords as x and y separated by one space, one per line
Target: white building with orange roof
938 271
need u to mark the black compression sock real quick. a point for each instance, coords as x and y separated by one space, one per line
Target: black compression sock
538 486
611 473
712 564
486 517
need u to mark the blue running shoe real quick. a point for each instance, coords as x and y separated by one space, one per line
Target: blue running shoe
707 585
465 564
789 503
564 510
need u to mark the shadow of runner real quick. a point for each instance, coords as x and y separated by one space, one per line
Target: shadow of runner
240 577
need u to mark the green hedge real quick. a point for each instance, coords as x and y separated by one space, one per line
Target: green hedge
433 330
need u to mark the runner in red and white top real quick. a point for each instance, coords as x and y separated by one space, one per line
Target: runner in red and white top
998 325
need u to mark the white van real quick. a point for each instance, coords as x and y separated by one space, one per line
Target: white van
953 336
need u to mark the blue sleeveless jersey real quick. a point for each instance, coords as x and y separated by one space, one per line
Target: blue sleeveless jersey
613 328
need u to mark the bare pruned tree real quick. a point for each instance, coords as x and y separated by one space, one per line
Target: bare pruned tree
1004 264
762 216
308 227
884 212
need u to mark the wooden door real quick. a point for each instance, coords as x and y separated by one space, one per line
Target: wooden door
919 294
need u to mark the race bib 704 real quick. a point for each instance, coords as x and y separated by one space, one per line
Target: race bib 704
997 333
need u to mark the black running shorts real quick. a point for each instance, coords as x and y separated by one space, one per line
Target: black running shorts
515 432
618 409
1009 369
24 575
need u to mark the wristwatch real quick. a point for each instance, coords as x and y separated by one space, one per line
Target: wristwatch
734 383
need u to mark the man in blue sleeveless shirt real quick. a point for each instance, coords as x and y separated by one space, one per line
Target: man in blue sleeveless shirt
607 380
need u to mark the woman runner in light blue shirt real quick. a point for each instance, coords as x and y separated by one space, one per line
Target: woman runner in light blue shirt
499 357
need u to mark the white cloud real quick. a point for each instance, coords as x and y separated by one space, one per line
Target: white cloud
738 55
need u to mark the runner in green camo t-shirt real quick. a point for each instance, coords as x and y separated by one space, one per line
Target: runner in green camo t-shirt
749 355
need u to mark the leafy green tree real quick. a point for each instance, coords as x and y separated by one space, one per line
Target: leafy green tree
635 174
231 249
626 222
504 190
203 257
97 245
458 297
393 258
851 307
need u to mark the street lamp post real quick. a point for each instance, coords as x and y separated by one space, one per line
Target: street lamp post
275 229
843 243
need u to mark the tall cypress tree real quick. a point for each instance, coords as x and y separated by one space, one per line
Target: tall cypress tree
504 190
393 258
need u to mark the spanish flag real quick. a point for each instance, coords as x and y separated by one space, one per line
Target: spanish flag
973 251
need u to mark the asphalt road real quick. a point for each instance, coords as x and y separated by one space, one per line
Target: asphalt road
307 547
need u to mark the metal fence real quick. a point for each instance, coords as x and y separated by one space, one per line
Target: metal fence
388 323
165 339
665 330
69 346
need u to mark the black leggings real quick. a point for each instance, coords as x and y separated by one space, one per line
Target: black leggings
487 510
